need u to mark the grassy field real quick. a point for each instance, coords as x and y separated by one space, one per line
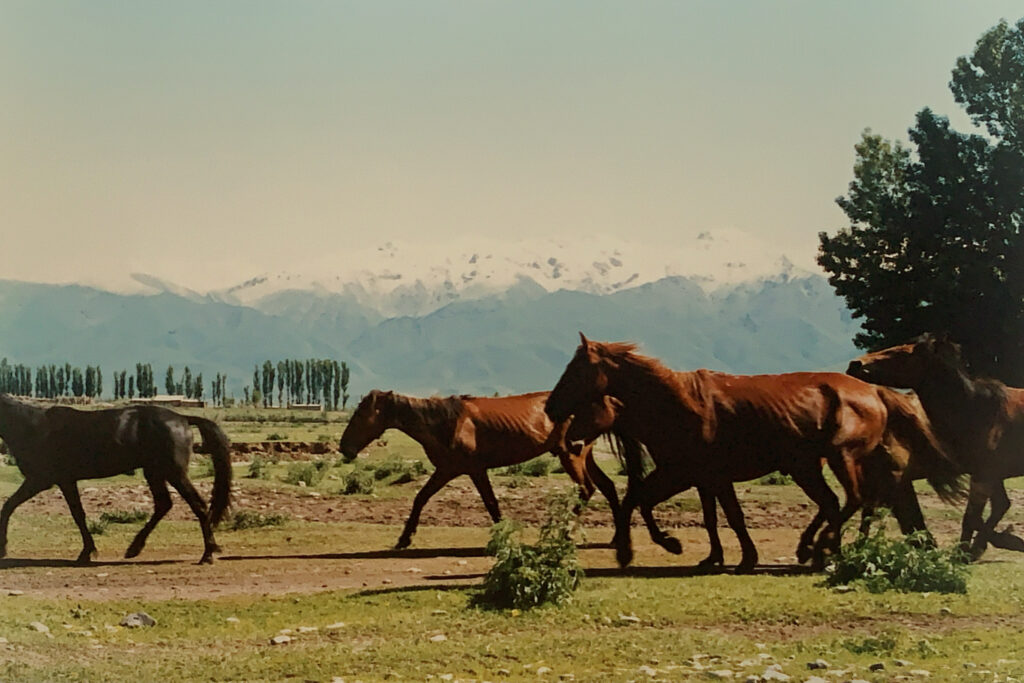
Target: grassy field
353 611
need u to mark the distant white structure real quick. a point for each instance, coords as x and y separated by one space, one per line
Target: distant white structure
175 400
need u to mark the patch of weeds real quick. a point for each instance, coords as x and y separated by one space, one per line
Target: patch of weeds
526 576
518 481
259 468
537 467
96 527
397 470
274 436
123 516
880 646
250 519
775 479
306 473
359 481
204 467
909 564
324 438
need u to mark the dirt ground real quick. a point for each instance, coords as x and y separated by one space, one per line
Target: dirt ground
241 569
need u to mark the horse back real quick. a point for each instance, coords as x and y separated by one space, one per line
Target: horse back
509 428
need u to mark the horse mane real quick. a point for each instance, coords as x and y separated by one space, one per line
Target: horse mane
430 411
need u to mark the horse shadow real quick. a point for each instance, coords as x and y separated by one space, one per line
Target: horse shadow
389 554
55 563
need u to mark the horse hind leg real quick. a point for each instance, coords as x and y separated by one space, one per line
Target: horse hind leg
198 506
1000 504
483 487
709 505
813 484
734 514
70 491
161 505
434 484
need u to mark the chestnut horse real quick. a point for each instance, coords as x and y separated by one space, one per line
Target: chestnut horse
979 421
711 429
470 435
60 445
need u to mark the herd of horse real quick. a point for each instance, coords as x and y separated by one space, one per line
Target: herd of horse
700 429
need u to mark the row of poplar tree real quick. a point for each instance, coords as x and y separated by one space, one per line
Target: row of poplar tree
320 381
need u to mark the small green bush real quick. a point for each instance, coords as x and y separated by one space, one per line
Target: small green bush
398 470
204 466
274 436
537 467
903 564
96 527
309 473
259 468
359 481
123 516
250 519
775 479
525 576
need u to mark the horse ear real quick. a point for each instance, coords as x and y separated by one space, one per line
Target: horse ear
584 342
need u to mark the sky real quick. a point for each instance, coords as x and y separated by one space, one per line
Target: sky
210 142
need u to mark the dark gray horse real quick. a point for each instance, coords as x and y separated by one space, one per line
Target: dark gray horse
60 445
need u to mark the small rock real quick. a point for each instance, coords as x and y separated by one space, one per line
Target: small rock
567 677
647 671
844 589
337 679
102 575
308 629
945 611
439 638
503 672
447 677
335 626
746 663
543 670
280 640
439 612
877 666
817 664
773 674
136 619
463 563
629 618
15 593
900 662
920 673
385 580
302 484
414 570
721 673
233 620
39 627
815 679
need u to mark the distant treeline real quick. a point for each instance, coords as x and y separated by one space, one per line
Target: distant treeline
314 380
322 381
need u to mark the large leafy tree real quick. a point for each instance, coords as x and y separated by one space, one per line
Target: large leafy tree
934 241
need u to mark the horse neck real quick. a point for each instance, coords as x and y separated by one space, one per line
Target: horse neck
423 419
958 407
645 392
19 423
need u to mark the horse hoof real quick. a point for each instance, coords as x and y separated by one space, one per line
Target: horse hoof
803 553
709 564
403 543
624 556
746 566
671 544
85 557
132 551
206 559
977 551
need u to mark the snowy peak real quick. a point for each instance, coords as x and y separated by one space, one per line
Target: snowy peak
414 279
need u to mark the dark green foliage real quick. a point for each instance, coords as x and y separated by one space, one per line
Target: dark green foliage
537 467
901 564
775 479
250 519
358 482
96 527
258 468
308 473
397 470
123 516
526 576
934 241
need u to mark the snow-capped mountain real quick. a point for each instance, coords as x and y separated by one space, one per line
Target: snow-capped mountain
397 279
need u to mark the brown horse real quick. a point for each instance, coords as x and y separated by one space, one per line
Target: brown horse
60 445
470 435
710 429
979 421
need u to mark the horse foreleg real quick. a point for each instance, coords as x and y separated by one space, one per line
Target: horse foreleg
70 491
646 493
734 514
709 505
603 482
976 498
813 484
805 546
184 487
483 487
907 510
28 489
437 480
161 505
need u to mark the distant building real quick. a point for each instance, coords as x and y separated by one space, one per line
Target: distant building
305 406
170 400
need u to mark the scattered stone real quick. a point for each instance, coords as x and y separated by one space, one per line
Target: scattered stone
503 672
439 612
970 665
945 611
39 627
647 670
817 664
385 580
877 666
102 575
746 663
844 589
335 626
815 679
233 620
439 638
774 673
463 563
308 629
721 673
629 618
137 619
285 631
15 593
765 656
920 673
901 662
280 640
446 677
543 670
3 641
414 570
337 679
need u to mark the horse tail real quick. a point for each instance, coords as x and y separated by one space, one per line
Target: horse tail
216 442
908 424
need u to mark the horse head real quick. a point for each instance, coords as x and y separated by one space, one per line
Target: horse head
907 366
373 415
583 382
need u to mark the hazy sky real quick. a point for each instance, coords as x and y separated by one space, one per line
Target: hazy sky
208 142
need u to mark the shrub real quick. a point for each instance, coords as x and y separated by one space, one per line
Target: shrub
250 519
401 471
775 479
359 481
259 468
908 564
204 466
274 436
96 527
537 467
525 576
308 473
123 517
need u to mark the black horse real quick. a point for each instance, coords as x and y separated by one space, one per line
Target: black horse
60 445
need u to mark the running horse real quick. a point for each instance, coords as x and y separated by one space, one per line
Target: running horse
61 445
979 421
709 429
471 434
